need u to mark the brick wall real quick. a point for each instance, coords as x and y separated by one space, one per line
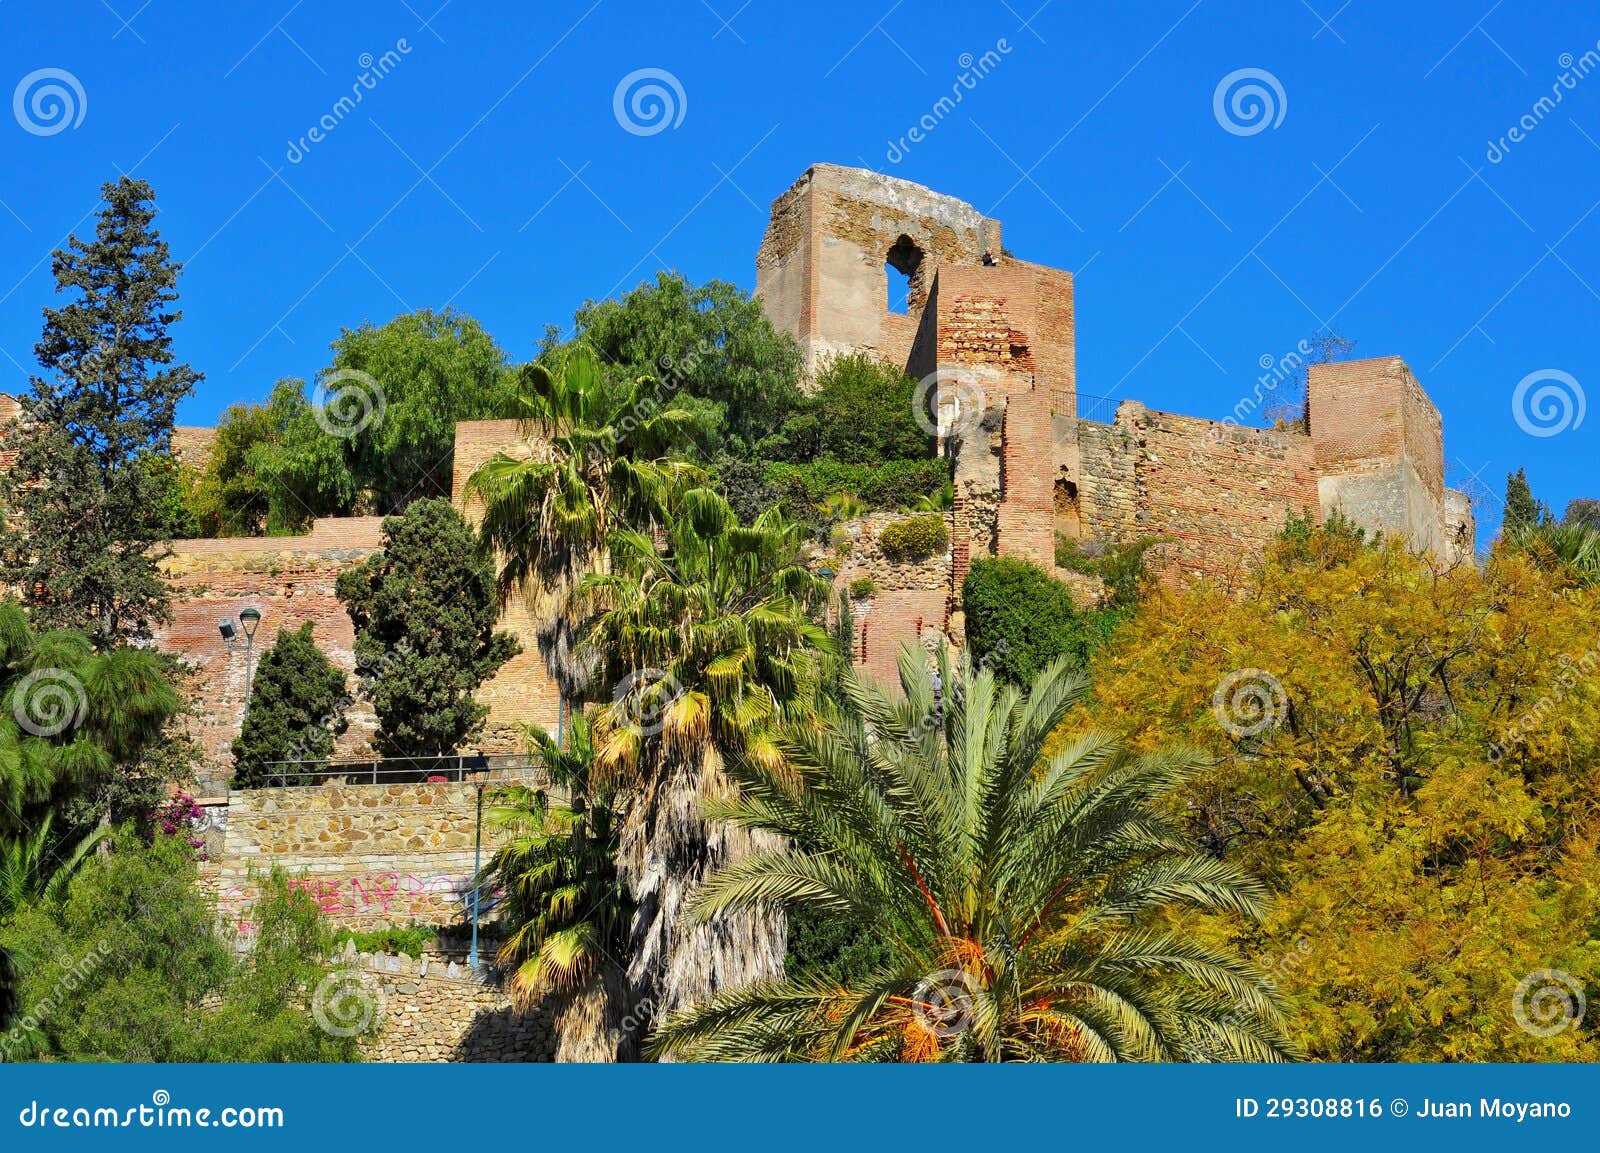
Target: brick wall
288 580
911 602
1221 492
522 692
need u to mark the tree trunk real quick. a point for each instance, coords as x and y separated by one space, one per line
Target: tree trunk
666 851
589 1023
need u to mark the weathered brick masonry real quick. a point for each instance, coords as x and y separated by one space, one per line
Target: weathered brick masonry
983 324
288 580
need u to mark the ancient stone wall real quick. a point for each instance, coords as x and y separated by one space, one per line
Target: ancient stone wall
433 1009
821 271
522 692
289 580
910 600
1002 331
1221 492
372 856
1106 483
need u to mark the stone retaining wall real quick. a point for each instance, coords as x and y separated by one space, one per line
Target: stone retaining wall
427 1009
372 856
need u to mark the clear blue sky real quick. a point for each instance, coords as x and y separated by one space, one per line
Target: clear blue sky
487 170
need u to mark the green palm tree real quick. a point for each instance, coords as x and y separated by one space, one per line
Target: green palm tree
1566 546
709 641
31 869
69 719
565 911
1034 907
595 457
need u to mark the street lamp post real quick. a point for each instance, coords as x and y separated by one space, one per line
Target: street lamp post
477 881
249 618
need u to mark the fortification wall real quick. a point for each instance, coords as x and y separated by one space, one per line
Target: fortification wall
910 601
522 692
289 580
1221 492
372 856
1002 331
820 270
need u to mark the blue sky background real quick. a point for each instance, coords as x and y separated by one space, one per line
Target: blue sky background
487 171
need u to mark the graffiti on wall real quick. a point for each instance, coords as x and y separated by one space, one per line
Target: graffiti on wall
387 896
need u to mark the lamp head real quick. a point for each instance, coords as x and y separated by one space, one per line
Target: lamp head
225 627
249 618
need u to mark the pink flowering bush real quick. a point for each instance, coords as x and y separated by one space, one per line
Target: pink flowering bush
181 817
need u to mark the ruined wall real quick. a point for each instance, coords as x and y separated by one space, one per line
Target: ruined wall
1379 446
289 580
820 269
191 445
522 692
372 856
1106 481
911 602
1220 491
1004 344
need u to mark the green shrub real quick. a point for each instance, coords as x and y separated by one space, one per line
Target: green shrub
914 537
863 410
412 940
863 587
1120 566
297 706
1020 618
890 484
745 485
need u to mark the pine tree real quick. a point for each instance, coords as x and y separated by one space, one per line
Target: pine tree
297 705
1522 510
425 610
90 513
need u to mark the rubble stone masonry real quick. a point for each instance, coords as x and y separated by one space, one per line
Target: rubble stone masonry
1026 469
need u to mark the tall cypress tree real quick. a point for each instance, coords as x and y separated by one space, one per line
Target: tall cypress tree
90 519
1522 510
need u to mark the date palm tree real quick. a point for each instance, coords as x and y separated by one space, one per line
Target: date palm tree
1035 907
594 457
709 640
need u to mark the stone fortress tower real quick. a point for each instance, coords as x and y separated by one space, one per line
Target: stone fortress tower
995 337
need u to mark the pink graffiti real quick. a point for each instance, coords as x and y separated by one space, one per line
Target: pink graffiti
384 894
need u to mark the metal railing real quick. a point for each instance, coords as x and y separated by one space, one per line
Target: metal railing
1100 409
451 768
